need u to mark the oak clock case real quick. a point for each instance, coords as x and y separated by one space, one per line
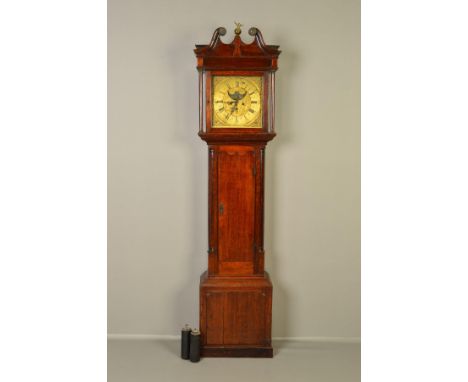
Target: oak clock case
236 91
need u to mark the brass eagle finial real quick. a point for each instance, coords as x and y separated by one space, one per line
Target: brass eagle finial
238 30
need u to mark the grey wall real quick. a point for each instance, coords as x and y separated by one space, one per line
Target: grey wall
158 166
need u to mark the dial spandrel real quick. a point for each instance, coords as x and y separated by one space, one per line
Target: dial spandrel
237 102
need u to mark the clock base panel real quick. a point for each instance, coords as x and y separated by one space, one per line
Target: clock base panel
235 316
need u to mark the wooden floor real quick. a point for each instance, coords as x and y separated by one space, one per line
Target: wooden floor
137 360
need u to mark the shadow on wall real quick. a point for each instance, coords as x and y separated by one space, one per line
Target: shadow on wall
281 301
182 68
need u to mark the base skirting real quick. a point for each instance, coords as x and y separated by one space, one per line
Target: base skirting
224 351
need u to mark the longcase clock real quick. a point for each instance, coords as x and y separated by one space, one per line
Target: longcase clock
236 83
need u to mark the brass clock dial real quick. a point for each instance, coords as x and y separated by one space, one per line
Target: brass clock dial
237 102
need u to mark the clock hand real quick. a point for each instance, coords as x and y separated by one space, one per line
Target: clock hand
234 108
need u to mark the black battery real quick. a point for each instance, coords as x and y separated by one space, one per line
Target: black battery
195 346
185 342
